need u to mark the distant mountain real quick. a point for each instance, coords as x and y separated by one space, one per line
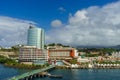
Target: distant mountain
92 47
115 47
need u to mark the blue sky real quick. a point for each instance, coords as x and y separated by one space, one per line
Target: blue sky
71 22
44 11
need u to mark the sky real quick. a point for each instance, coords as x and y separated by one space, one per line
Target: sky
70 22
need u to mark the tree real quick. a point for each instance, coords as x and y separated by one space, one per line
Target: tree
53 44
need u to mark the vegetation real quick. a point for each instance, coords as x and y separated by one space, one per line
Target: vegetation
109 62
12 49
102 51
58 44
4 60
73 61
92 55
19 65
12 63
84 63
97 49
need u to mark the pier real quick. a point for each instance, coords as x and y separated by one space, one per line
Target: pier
30 75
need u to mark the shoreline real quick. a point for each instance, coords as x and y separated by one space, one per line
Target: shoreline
64 67
58 67
13 64
23 66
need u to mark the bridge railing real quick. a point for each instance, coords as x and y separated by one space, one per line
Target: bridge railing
31 73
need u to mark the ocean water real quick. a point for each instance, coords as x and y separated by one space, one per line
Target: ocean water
7 72
85 74
68 74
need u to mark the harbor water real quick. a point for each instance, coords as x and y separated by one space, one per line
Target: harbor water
68 74
6 72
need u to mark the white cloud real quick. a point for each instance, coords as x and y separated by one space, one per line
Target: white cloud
13 31
62 9
56 23
91 26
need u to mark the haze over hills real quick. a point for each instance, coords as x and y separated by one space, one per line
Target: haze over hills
115 47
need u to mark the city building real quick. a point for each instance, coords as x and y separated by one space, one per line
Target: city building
116 55
36 37
60 53
32 54
81 60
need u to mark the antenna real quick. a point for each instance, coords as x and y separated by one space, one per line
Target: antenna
30 25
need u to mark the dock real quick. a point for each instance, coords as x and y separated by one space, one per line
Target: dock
30 75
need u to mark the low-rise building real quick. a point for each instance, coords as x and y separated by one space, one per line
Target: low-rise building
80 59
32 54
116 55
61 53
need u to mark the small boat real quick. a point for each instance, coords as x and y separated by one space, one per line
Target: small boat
55 76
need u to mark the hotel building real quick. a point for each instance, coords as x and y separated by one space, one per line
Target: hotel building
34 51
32 54
61 53
36 37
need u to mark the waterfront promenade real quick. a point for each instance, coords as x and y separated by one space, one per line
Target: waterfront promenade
31 74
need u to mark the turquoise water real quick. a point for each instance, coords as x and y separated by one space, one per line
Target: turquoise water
59 63
6 72
68 74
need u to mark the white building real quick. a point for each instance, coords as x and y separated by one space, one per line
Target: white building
116 54
32 54
82 59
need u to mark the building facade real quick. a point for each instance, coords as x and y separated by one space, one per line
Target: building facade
60 53
36 37
116 55
32 54
35 55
